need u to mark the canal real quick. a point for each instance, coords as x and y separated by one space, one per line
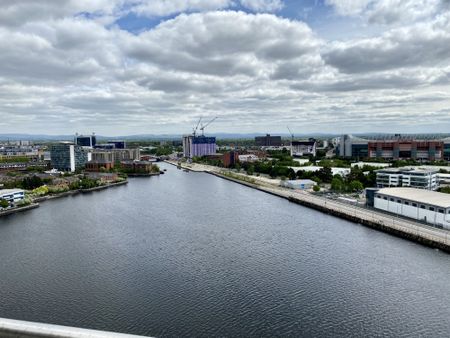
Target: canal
190 254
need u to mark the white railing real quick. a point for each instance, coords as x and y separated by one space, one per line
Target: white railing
17 328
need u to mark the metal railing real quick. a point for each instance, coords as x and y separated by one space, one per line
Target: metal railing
10 328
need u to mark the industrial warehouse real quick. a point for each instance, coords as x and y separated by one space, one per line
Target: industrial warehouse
420 204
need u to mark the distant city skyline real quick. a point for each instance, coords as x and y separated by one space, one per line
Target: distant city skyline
127 67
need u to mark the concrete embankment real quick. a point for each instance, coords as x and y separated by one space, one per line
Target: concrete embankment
19 209
38 200
76 192
102 187
420 233
145 174
198 168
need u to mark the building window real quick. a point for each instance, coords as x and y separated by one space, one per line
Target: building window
414 204
431 208
399 201
422 206
392 200
441 211
385 198
406 203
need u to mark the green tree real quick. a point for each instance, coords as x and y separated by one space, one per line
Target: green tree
4 204
337 184
325 174
250 170
316 188
356 186
445 190
30 183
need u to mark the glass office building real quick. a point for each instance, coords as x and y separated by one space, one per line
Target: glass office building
67 157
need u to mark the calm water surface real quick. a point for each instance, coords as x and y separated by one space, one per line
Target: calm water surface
189 254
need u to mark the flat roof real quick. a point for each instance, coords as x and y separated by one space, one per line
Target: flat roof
424 196
407 170
10 191
302 181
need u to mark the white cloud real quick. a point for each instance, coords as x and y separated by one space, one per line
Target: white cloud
226 44
348 7
389 11
16 13
169 7
163 8
257 71
415 45
263 5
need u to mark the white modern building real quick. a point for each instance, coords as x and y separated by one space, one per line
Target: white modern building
303 148
370 164
408 177
298 184
12 195
424 205
334 170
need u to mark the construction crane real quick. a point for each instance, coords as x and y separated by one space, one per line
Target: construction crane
194 130
292 140
207 124
290 132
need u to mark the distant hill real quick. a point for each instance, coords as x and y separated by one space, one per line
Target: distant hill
223 136
43 137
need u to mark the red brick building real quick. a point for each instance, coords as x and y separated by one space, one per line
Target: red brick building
406 149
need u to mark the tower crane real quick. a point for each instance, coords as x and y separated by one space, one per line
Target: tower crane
202 128
194 130
292 135
292 140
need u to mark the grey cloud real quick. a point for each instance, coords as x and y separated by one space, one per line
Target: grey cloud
420 44
16 13
256 71
224 43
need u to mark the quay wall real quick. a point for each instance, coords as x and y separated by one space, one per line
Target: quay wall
414 234
19 209
38 200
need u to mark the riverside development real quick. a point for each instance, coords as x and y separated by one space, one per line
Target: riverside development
403 227
228 249
246 263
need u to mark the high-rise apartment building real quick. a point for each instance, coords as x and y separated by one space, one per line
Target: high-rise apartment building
198 146
66 156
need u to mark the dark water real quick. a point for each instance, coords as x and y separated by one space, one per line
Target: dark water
190 254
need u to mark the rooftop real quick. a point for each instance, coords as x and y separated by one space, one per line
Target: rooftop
419 195
9 191
408 169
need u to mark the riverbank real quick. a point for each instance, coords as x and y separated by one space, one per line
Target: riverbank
407 229
19 209
78 191
144 174
41 199
417 232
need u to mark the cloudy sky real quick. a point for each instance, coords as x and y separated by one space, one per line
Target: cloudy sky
122 67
